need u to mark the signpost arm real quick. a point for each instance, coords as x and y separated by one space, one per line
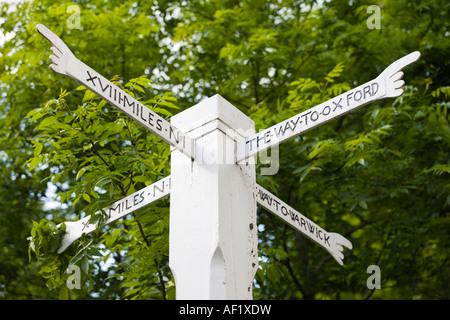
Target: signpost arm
64 62
331 241
117 210
387 84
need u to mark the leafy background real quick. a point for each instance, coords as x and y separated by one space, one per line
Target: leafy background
379 175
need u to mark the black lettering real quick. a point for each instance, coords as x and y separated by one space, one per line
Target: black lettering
142 113
328 110
285 212
293 215
277 203
126 102
374 91
91 78
150 118
121 98
267 198
303 223
85 225
310 227
126 205
360 95
101 86
306 117
114 209
158 124
138 198
336 105
315 115
177 138
295 123
267 137
155 187
257 141
349 97
250 142
366 90
326 239
281 130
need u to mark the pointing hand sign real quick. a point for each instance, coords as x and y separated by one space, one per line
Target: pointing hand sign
393 74
62 56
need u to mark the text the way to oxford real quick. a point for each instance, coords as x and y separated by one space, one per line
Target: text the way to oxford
213 239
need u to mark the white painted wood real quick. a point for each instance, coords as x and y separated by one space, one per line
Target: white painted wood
387 84
331 241
116 210
213 234
65 63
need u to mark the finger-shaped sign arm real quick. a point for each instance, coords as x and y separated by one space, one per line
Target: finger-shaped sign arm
61 56
392 74
337 243
116 210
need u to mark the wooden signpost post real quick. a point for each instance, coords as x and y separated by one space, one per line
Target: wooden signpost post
213 230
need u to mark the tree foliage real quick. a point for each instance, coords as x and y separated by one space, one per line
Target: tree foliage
378 175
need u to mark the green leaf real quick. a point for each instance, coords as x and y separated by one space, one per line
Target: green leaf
34 162
87 197
89 95
130 284
81 173
37 149
362 204
46 122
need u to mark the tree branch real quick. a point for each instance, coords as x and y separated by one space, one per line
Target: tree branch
160 276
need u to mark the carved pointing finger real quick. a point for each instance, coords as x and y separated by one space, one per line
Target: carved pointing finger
56 52
398 92
399 84
402 62
397 76
62 58
341 240
53 38
54 59
56 68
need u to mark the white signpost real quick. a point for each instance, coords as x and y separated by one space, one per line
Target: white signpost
331 241
387 84
116 210
65 63
213 231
